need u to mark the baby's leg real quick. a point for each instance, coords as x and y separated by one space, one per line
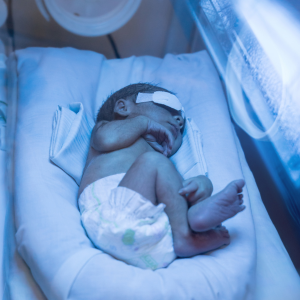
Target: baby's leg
214 210
154 176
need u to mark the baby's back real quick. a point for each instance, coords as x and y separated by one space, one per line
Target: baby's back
100 165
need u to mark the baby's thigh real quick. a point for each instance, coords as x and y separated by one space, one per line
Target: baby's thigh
141 176
156 166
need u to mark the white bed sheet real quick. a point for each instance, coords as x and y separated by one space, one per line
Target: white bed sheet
49 235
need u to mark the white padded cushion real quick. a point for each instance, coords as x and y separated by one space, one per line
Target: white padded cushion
49 235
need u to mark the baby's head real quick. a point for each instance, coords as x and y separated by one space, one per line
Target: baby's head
123 104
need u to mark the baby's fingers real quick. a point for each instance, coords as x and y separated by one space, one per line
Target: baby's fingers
157 147
169 140
165 149
189 188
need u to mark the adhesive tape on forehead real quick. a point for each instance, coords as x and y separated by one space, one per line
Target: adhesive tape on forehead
163 98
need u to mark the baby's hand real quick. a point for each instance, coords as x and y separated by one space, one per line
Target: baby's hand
159 137
196 189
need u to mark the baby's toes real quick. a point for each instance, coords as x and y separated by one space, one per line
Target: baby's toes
239 184
240 199
242 207
223 231
232 190
225 238
222 228
238 207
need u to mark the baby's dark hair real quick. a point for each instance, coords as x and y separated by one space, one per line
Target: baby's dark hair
106 112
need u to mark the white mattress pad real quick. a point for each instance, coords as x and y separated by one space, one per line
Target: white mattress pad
49 235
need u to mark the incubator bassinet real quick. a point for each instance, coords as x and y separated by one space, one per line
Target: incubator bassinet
48 254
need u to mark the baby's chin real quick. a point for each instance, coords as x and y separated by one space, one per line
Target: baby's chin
176 146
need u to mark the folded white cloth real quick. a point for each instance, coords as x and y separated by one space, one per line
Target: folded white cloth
189 159
71 132
126 225
70 140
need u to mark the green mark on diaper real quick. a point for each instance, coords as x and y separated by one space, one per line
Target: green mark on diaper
104 220
167 225
146 222
128 237
93 193
149 261
168 228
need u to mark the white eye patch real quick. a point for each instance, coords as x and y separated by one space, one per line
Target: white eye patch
162 98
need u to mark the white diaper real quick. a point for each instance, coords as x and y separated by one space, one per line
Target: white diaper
126 225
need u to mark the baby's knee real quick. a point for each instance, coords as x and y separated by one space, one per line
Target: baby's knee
153 159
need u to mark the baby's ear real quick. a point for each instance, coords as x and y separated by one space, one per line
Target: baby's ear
122 108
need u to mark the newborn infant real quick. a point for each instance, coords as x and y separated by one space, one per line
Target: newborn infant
134 204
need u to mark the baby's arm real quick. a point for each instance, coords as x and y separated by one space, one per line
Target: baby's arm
114 135
109 136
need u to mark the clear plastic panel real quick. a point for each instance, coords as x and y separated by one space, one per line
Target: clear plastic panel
253 44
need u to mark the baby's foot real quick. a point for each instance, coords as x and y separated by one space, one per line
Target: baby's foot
200 242
214 210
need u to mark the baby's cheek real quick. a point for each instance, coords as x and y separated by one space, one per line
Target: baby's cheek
177 144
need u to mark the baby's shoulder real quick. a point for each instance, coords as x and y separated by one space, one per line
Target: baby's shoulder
99 125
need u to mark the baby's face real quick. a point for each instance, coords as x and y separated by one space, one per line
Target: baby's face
166 116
